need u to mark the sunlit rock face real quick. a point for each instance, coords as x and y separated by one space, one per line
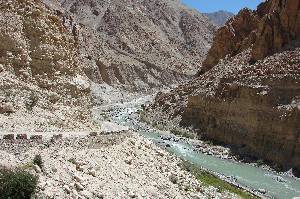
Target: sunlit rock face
273 26
42 84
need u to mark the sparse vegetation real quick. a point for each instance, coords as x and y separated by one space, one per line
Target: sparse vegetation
209 179
259 162
26 166
37 160
16 184
72 160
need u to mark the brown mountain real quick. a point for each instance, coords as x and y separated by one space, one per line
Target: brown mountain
273 26
140 44
248 93
219 18
50 50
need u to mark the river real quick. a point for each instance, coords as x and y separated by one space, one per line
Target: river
246 175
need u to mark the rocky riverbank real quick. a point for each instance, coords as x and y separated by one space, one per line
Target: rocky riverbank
123 165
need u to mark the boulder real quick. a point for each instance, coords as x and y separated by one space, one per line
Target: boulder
37 168
79 186
21 136
6 108
9 137
67 189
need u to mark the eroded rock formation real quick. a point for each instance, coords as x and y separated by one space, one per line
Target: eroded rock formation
42 84
278 28
274 26
231 39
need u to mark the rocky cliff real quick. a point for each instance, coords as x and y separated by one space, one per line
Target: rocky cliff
139 44
252 106
42 84
273 26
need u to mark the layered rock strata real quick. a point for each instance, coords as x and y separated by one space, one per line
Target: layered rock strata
253 108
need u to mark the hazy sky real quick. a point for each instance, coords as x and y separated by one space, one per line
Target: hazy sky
215 5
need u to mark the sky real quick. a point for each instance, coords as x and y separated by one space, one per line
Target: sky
233 6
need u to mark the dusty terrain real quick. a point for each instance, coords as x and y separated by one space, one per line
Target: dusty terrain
120 165
42 83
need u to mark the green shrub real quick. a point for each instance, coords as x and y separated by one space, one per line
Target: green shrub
209 179
37 160
259 162
252 61
16 184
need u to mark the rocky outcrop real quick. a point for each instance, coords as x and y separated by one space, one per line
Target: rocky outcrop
243 117
231 39
274 26
42 84
253 108
278 28
219 18
139 45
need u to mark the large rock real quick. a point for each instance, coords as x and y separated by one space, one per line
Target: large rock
231 39
6 108
278 28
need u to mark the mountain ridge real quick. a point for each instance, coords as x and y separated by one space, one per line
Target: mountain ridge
219 18
156 43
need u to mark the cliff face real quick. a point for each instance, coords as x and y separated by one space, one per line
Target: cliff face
278 29
139 44
252 106
272 27
42 84
244 118
237 35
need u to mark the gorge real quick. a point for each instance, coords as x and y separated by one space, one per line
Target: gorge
116 96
